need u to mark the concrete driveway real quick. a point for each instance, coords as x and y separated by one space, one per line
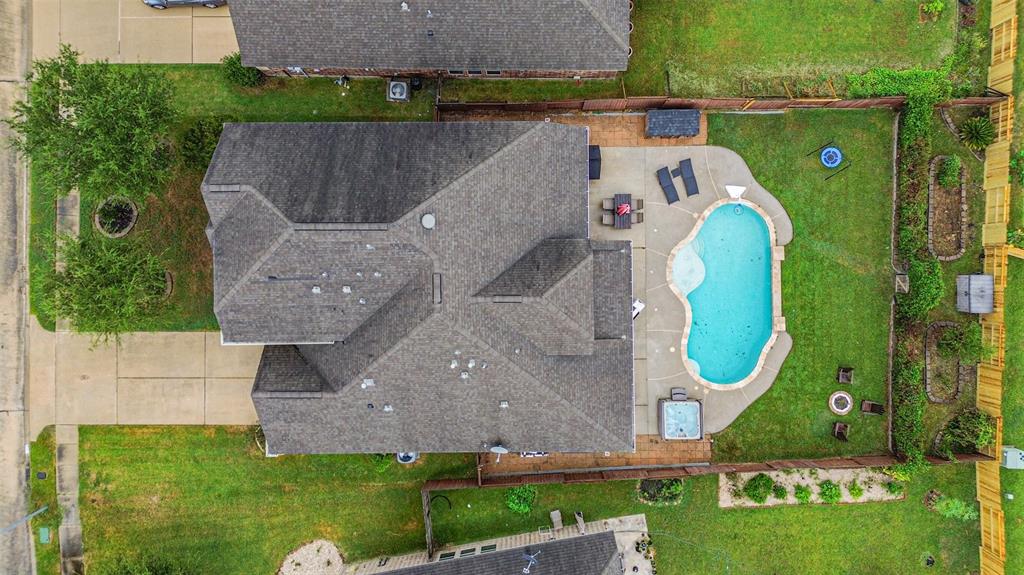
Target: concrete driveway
127 31
179 378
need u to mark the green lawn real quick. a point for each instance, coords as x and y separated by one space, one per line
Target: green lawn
707 48
1013 415
698 537
836 279
42 458
208 496
173 224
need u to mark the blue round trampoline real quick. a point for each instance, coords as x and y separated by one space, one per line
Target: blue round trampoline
831 157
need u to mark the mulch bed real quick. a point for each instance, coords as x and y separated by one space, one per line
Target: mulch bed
944 376
947 208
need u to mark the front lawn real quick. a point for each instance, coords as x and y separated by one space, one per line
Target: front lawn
697 536
209 497
715 48
43 492
173 223
837 282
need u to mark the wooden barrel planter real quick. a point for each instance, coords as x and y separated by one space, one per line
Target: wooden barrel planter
947 215
115 217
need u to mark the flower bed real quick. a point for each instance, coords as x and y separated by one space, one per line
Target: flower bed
792 485
947 213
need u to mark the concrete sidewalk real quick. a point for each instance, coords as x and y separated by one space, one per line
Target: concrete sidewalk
185 378
126 31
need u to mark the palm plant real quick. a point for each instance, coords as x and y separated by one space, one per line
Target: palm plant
977 132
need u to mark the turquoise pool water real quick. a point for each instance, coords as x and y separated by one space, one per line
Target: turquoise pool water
726 275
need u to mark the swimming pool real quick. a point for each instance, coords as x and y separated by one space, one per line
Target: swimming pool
725 274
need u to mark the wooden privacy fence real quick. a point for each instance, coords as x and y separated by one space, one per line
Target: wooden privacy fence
719 104
997 215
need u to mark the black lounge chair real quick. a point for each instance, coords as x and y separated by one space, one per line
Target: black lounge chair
689 181
595 162
872 407
841 431
667 186
845 375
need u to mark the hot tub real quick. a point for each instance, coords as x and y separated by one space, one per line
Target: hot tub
681 419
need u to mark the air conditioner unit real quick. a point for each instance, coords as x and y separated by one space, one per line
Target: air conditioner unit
398 90
1013 458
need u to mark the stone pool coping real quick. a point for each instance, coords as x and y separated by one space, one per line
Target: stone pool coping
778 320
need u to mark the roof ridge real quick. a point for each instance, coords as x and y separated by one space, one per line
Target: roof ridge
604 24
476 168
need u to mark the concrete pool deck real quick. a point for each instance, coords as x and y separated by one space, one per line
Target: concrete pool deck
659 329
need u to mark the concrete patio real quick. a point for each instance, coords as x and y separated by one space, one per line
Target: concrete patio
659 328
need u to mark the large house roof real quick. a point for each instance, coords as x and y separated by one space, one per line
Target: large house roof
536 35
497 321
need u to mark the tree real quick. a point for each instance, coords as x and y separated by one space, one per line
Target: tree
96 127
106 286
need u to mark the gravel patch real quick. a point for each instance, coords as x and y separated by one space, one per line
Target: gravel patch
319 557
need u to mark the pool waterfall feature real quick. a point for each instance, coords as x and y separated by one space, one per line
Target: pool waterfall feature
727 273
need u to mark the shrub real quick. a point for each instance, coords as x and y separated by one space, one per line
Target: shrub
520 499
779 491
963 342
660 491
99 128
949 172
802 493
758 487
381 461
828 491
199 142
933 7
953 508
909 400
977 133
926 289
923 89
149 566
239 75
855 490
1017 167
1015 237
107 286
969 431
895 487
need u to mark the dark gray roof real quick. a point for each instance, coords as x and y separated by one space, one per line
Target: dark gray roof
394 337
673 123
595 554
975 293
535 35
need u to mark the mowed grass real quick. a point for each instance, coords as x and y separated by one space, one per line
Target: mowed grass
698 537
43 492
172 224
729 48
837 282
209 498
1013 415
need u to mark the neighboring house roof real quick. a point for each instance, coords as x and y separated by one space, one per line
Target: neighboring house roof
595 554
501 323
535 35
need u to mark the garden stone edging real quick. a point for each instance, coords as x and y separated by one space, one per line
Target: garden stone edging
121 233
931 209
928 365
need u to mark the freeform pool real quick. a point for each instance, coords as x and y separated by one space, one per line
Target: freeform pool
725 273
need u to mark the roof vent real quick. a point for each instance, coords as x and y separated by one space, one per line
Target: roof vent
359 274
376 274
316 289
454 364
503 404
405 6
471 364
388 408
370 247
362 301
346 289
430 33
367 382
464 375
428 221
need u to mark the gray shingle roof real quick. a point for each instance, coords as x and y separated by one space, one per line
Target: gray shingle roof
536 35
595 554
504 300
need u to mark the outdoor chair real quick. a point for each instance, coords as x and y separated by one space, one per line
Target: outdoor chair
679 394
872 407
636 204
689 180
636 218
667 186
841 431
608 219
594 166
845 375
608 204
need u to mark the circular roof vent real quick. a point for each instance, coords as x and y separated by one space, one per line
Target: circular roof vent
429 221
